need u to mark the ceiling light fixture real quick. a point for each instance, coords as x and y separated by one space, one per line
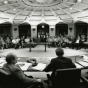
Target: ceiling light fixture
53 12
83 12
71 8
43 26
5 2
1 14
14 9
79 0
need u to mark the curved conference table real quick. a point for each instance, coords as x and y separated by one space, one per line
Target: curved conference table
26 65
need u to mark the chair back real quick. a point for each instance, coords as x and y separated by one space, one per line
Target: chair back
67 78
10 81
4 82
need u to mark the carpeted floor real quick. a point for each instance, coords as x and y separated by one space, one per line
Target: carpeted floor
38 51
40 55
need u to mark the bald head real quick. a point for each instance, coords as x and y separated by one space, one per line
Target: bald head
11 58
59 51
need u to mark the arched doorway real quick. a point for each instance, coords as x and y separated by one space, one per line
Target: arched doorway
24 30
5 29
81 28
42 29
61 29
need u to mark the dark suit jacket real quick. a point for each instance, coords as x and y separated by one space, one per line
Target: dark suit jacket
18 73
59 63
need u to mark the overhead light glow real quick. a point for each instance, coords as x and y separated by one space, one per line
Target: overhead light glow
79 0
83 12
14 9
5 2
71 8
53 12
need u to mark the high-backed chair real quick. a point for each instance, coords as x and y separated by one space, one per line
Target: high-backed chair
10 81
67 78
4 83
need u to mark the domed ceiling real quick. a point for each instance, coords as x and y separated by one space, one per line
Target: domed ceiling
48 11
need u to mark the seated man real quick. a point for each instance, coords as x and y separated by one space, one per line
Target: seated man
59 62
11 68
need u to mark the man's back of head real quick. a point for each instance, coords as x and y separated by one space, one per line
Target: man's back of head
59 51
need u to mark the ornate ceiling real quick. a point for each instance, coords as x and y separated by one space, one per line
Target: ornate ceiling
48 11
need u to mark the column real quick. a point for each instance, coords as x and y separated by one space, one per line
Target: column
52 30
33 31
71 30
15 31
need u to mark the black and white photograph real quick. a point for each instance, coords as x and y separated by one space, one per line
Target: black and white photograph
43 43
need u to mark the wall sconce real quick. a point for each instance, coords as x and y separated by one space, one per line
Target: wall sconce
15 29
52 29
34 29
43 26
70 29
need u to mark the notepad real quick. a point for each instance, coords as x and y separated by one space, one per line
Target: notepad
24 65
40 66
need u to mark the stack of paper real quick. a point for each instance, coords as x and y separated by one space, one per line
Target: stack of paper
24 65
2 59
40 66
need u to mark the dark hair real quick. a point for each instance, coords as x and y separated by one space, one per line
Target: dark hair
59 51
10 57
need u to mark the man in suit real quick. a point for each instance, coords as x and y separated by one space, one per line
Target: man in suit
13 69
59 62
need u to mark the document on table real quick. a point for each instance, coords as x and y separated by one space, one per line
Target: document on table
40 66
83 63
2 59
1 64
24 65
78 66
